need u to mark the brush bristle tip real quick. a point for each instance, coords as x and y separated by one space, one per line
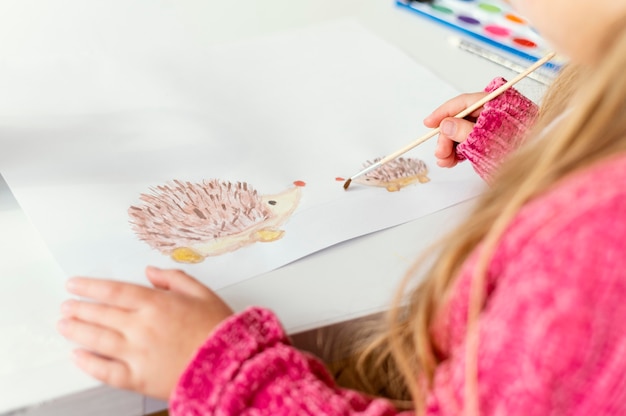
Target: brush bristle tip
347 184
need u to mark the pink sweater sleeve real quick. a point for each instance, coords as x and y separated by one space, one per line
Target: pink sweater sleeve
500 129
249 367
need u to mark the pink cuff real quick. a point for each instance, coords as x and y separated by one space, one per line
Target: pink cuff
500 129
218 361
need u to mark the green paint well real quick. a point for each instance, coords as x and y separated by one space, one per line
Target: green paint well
442 9
489 8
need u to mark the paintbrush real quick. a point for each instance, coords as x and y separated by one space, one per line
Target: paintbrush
469 110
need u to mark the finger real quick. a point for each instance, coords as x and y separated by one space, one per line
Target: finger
96 313
113 372
445 152
102 340
120 294
453 107
176 281
448 162
445 147
456 129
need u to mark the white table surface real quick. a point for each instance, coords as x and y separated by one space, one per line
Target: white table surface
346 281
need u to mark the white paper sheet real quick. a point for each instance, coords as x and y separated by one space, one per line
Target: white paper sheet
34 359
311 105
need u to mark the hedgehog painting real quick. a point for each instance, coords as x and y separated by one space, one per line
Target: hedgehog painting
191 221
396 174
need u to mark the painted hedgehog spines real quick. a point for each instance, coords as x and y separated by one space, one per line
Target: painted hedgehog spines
395 174
190 221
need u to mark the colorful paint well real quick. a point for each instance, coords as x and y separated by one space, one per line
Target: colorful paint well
491 21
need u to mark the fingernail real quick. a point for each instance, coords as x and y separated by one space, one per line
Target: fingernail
71 284
77 356
448 128
62 326
66 307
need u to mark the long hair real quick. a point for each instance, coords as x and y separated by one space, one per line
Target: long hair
400 360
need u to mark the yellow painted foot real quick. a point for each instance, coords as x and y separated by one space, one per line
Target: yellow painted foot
186 255
268 235
393 187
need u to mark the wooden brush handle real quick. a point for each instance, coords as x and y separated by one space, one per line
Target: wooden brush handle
469 110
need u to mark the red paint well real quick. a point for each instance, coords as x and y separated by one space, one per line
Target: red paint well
525 42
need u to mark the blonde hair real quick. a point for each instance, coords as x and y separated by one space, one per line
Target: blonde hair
400 361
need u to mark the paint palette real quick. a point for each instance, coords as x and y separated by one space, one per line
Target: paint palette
493 22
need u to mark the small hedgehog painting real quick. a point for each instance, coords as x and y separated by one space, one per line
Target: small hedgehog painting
395 174
191 221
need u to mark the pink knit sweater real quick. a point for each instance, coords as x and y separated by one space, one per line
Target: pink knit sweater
552 332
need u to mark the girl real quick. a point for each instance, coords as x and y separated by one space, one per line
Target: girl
522 312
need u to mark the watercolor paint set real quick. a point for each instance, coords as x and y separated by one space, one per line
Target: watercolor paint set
492 22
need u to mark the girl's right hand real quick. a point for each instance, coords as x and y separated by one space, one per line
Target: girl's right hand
453 130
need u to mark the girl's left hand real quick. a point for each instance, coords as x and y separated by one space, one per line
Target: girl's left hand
140 338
